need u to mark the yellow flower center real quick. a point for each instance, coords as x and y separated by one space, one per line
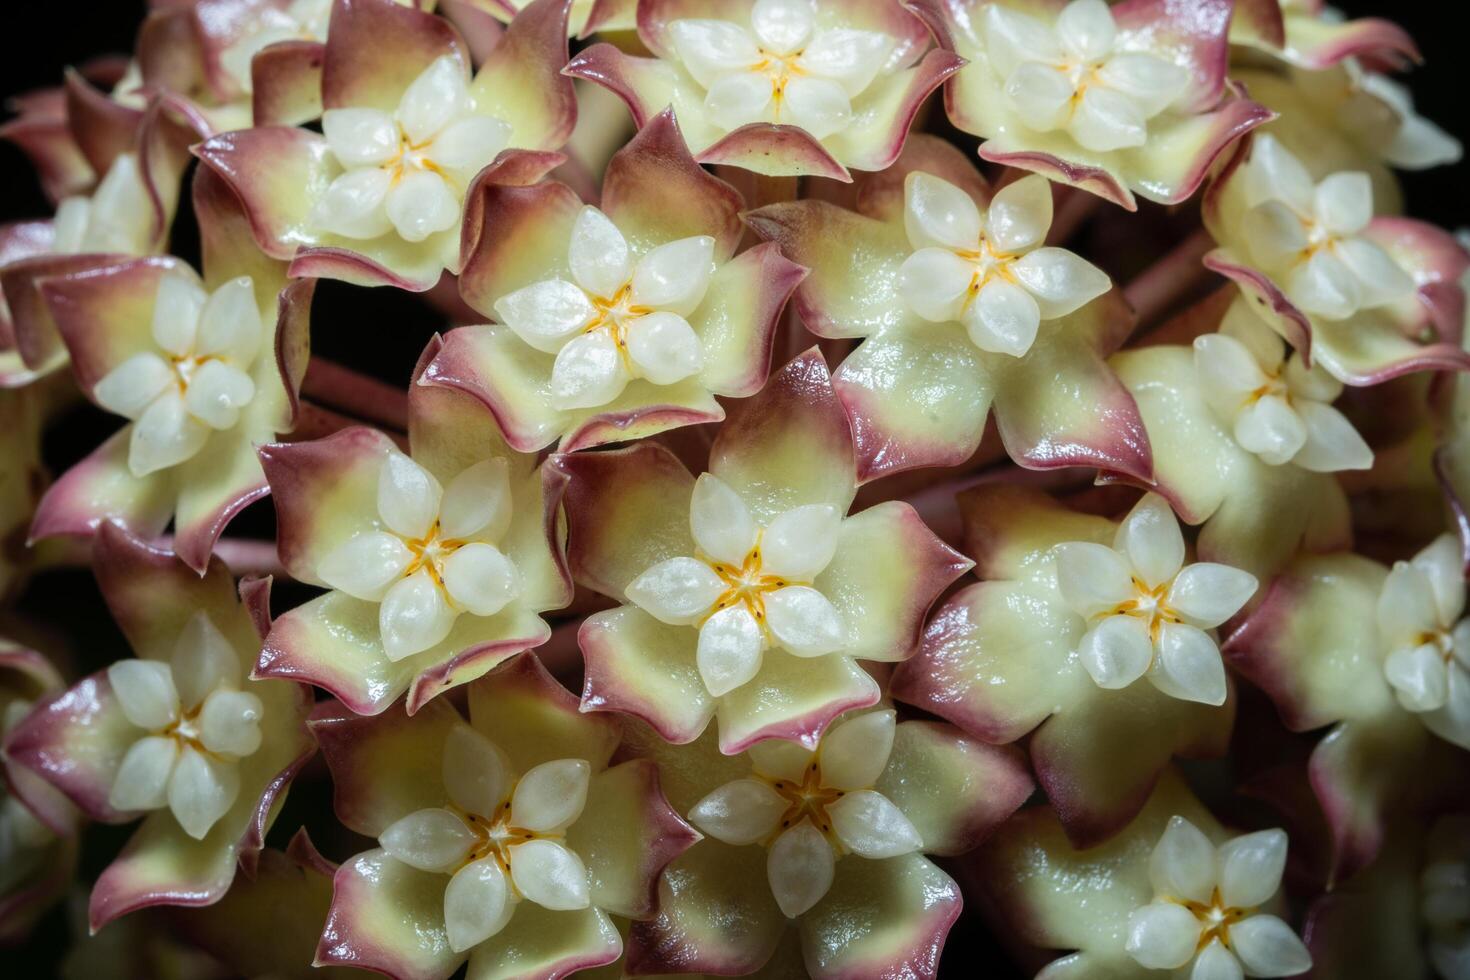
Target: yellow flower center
988 263
1147 605
1215 919
747 584
430 552
807 800
495 835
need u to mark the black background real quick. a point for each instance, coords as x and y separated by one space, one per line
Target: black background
382 332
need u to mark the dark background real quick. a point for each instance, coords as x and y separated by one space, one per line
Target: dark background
383 332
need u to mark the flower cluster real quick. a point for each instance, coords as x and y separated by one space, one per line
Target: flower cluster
797 532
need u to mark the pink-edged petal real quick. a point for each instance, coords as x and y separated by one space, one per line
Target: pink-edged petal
789 445
1182 149
1099 759
1091 419
105 314
851 289
509 377
1011 531
792 698
538 942
1267 298
738 320
996 660
533 226
1313 645
715 915
776 151
36 337
325 491
534 719
47 141
388 918
1198 37
287 899
627 510
102 127
286 83
645 85
101 487
886 572
76 740
881 918
1361 790
161 865
1102 181
360 70
334 641
378 765
627 835
656 193
1318 43
886 110
273 170
639 666
521 81
954 789
916 397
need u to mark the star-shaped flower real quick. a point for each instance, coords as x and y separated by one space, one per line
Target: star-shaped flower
382 195
1276 407
1117 100
780 87
748 593
810 807
1170 894
204 369
178 735
507 840
1088 638
440 559
961 308
1147 611
618 321
1369 298
1206 904
990 271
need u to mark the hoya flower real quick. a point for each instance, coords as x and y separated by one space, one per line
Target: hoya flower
1088 636
1420 619
1309 34
38 849
779 87
843 888
120 203
1123 100
1172 891
959 307
620 321
178 735
1217 447
379 197
505 841
1276 407
1147 612
1205 907
439 560
749 593
1369 654
202 369
810 807
1369 298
